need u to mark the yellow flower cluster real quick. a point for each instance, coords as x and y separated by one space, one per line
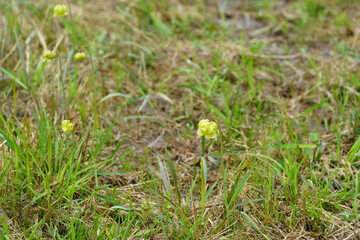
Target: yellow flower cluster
60 10
67 126
79 56
207 128
49 54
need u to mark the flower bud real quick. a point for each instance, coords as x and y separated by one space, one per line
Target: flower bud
79 56
49 54
207 128
67 126
60 10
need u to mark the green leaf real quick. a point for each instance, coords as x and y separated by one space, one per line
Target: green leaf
98 147
160 25
210 189
112 173
111 95
238 186
173 175
353 150
122 208
253 224
10 75
164 175
314 107
218 113
289 146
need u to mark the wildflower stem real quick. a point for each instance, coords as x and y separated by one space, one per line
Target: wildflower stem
203 183
22 61
68 1
94 89
60 89
202 145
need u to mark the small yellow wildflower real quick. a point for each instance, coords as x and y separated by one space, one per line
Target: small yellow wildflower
79 56
67 126
60 10
49 54
207 128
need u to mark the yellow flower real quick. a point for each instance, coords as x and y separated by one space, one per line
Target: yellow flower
48 54
207 128
67 126
79 56
60 10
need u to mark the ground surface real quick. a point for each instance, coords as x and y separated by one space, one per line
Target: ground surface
281 78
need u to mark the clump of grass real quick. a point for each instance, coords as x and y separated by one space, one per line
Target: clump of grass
46 174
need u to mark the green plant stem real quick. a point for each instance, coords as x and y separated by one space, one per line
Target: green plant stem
68 1
203 184
61 92
96 125
203 141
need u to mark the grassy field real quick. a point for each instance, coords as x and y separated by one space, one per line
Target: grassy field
279 77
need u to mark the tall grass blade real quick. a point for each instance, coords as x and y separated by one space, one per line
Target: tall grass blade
254 225
164 176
